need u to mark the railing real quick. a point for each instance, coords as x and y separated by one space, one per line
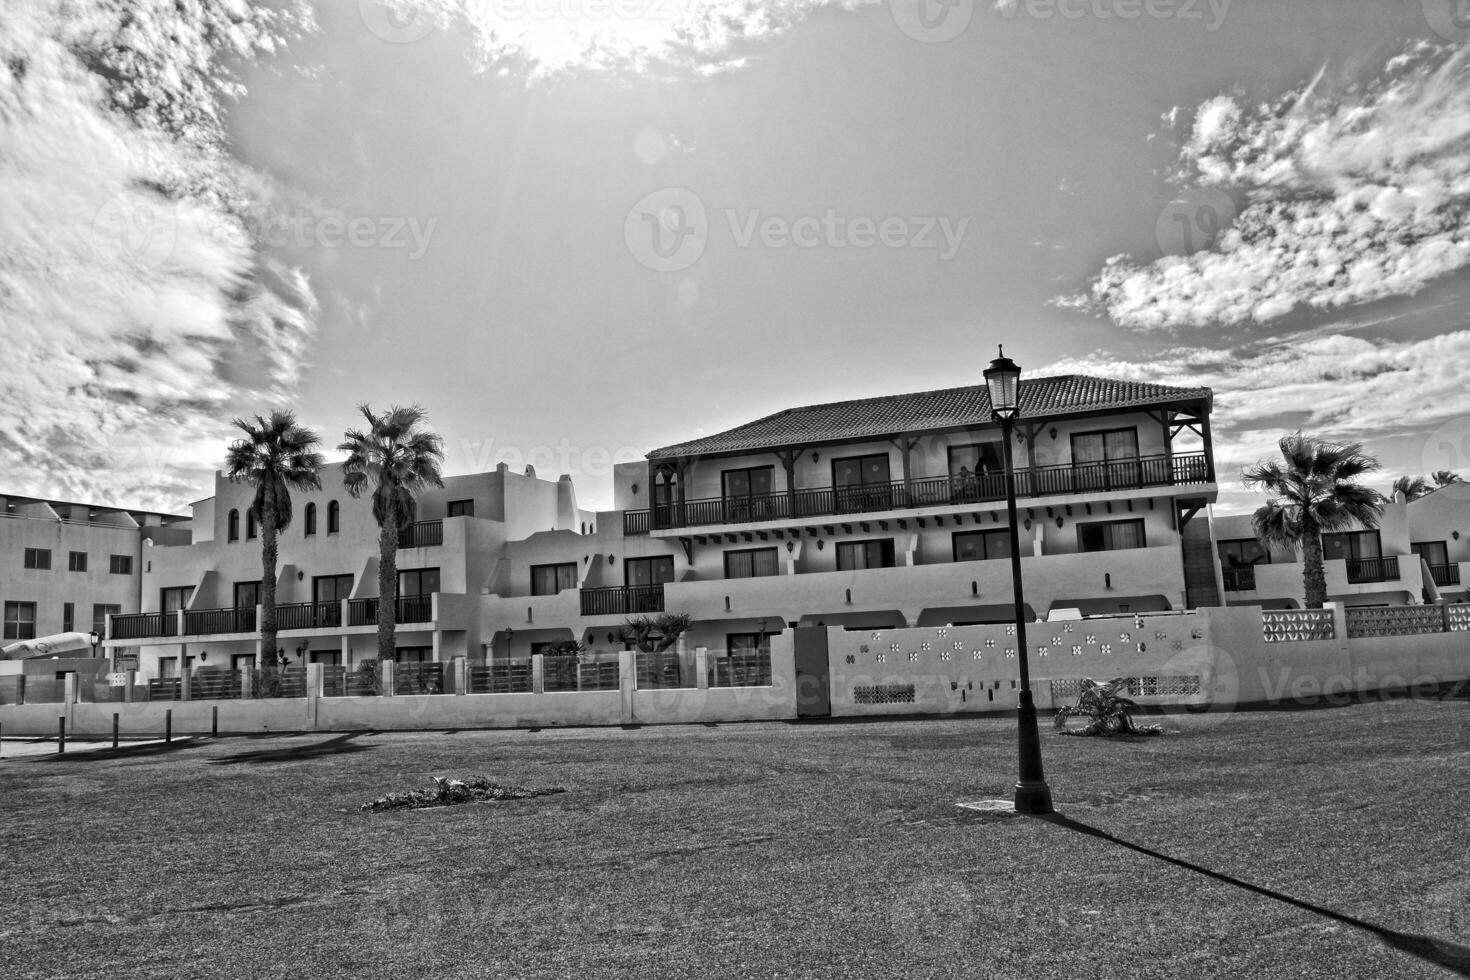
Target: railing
622 600
1070 478
165 689
136 626
500 679
200 621
1372 569
603 676
424 534
308 615
559 673
407 609
288 682
424 678
1239 579
1445 574
363 682
661 669
214 684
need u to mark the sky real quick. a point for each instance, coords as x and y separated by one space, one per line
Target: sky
577 230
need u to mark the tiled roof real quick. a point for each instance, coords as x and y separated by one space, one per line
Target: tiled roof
925 410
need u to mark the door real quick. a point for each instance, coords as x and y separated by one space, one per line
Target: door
813 673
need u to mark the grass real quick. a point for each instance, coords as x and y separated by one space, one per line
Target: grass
735 851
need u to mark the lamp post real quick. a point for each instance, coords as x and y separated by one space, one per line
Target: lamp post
94 639
1003 379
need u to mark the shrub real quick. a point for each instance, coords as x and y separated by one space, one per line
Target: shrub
1110 712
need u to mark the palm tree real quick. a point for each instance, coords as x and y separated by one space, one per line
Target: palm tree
1412 487
277 456
398 459
1443 478
1313 489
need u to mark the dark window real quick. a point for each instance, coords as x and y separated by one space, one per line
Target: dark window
100 612
1110 536
38 558
68 616
309 521
20 621
461 508
334 517
977 471
414 655
1239 552
747 643
120 564
551 579
232 526
981 545
1106 458
76 561
862 483
649 571
1434 553
751 563
854 555
172 599
330 588
1352 545
418 581
247 595
748 492
250 525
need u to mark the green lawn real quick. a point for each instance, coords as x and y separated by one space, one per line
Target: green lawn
772 850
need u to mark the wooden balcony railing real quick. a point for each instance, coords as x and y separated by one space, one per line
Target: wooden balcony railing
423 534
137 626
407 609
1372 569
1239 579
1071 478
1445 574
622 600
198 622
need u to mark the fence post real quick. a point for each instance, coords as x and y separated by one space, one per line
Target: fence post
460 666
701 668
314 680
61 735
130 678
214 721
387 679
247 683
186 676
114 729
538 674
627 682
69 695
168 724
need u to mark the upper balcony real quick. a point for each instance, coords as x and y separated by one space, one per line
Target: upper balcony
1044 481
422 534
414 611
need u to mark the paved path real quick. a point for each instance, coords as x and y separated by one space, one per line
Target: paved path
18 748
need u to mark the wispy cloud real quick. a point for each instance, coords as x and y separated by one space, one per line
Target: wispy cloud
137 314
1350 195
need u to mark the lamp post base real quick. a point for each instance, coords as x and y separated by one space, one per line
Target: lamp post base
1034 798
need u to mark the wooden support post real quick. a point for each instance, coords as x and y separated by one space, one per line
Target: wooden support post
61 736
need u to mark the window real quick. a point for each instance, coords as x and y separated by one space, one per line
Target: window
334 517
76 561
173 599
331 588
250 524
747 493
68 616
309 521
120 564
1239 552
551 579
978 471
1105 459
38 558
247 595
418 581
649 571
981 545
461 508
20 621
751 563
100 612
1435 554
414 655
168 667
862 483
1352 545
855 555
232 526
1110 536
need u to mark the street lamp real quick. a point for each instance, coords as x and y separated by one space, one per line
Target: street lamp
95 639
1003 378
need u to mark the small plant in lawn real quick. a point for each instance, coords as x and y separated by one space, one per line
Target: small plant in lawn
1110 712
447 792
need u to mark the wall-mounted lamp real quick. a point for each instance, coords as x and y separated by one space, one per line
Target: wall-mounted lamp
1455 535
727 603
1027 524
1059 520
300 575
203 655
1053 432
790 546
609 637
1020 438
612 559
1107 580
974 588
819 544
301 652
849 597
816 456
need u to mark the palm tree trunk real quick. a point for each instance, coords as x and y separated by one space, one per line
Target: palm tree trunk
268 556
387 588
1314 576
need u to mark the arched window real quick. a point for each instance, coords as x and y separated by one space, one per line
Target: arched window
334 515
250 525
232 526
310 519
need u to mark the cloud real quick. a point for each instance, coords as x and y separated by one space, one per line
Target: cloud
1351 196
137 315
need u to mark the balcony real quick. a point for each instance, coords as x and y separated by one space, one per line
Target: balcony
138 626
1361 570
423 534
943 491
1242 579
1445 574
408 609
308 615
199 622
623 600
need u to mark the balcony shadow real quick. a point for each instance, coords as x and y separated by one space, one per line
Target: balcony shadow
1450 955
341 745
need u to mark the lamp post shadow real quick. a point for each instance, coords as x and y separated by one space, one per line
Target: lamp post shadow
1452 956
